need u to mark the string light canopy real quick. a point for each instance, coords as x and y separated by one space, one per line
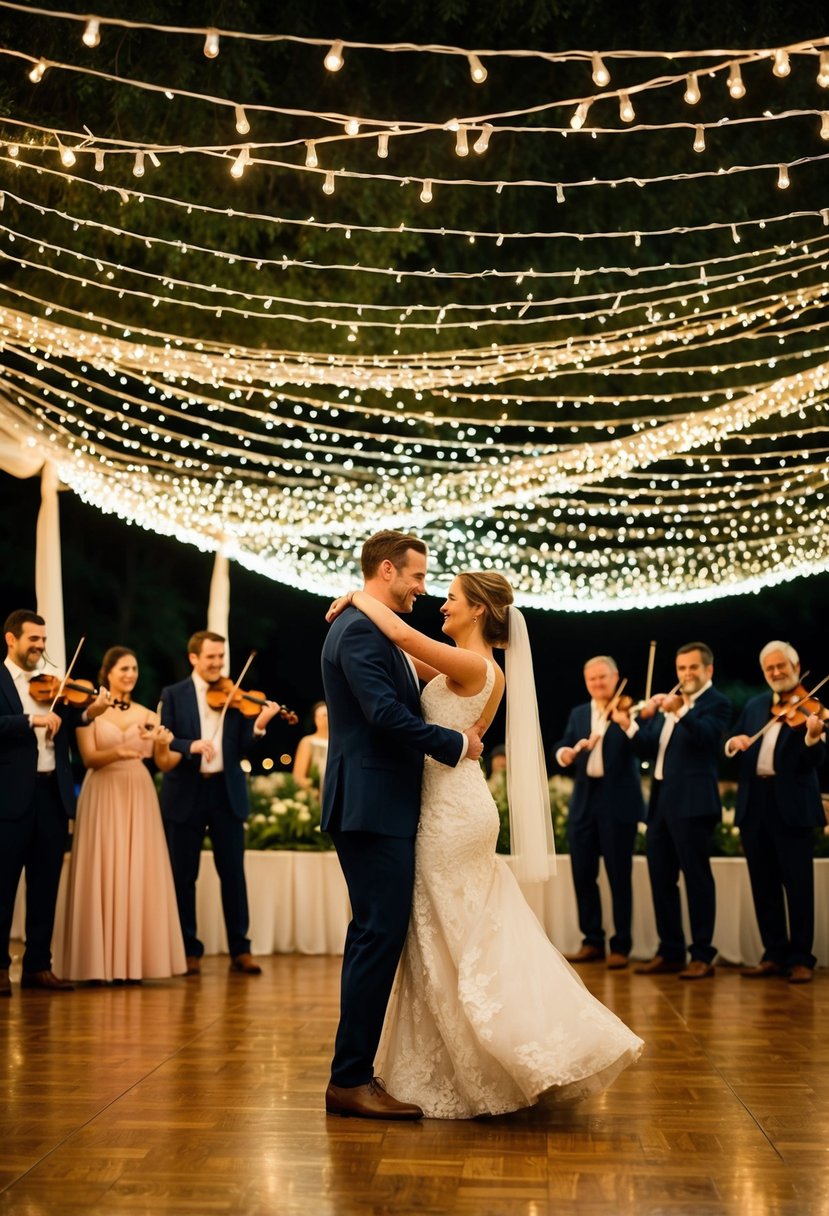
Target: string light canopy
626 407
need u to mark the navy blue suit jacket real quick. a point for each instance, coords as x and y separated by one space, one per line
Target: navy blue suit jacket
18 752
796 783
180 787
617 795
377 737
692 758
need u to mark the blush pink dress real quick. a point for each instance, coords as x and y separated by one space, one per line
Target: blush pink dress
121 920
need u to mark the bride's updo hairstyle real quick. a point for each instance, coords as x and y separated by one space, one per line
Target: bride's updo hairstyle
493 593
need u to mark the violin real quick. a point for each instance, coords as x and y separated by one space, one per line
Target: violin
222 692
798 704
44 688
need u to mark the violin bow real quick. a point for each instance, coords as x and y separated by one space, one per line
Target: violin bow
614 701
68 673
781 717
232 694
649 677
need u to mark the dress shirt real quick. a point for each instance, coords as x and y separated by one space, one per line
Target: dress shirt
765 756
210 726
668 725
598 726
45 747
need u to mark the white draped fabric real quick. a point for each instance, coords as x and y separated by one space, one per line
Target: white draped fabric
218 608
298 902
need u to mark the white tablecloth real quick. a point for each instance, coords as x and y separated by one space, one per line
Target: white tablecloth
298 902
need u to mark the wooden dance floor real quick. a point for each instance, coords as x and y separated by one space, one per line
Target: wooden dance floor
205 1096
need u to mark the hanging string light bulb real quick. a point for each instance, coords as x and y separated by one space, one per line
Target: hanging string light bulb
328 184
334 58
38 71
352 126
735 82
99 160
782 177
311 158
476 69
692 89
211 44
601 76
823 70
14 151
461 143
67 156
383 145
91 36
240 163
426 192
138 167
578 119
482 142
782 66
626 110
242 124
699 139
824 125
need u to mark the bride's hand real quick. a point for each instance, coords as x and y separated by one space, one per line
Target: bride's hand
337 606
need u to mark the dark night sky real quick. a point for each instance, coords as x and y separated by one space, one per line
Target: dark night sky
123 585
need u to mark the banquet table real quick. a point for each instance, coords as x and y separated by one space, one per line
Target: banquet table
298 903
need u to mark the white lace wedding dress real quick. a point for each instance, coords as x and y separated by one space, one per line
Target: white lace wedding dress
486 1016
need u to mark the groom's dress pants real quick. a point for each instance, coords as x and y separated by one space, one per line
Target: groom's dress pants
379 874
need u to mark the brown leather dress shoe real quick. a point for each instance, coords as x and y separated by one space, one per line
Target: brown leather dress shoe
697 970
658 966
616 962
368 1102
193 965
45 980
763 971
801 975
587 954
5 982
244 963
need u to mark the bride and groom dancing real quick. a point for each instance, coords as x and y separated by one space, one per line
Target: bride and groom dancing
485 1016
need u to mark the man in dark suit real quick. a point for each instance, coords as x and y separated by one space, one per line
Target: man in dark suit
778 809
683 739
371 807
206 792
605 807
38 799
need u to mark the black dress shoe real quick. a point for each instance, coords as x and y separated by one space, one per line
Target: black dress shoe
368 1102
47 981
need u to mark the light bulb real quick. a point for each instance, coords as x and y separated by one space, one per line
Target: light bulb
311 158
601 76
238 166
735 82
559 193
334 59
476 69
138 167
782 67
328 184
67 157
352 127
426 192
99 160
461 145
482 142
242 124
383 145
14 151
211 44
699 139
823 70
578 119
824 125
782 177
37 72
626 111
154 159
92 34
691 89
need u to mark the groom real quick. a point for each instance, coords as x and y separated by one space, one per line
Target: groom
371 806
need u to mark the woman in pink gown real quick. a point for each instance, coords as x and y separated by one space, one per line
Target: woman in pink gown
121 920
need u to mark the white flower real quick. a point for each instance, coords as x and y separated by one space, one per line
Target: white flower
258 819
304 815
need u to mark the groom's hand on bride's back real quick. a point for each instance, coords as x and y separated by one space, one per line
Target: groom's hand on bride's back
475 747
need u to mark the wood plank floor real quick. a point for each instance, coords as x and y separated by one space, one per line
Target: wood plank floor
205 1096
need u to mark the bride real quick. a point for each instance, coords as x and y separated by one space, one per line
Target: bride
486 1016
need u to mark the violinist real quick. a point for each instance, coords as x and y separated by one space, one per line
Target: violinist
204 791
778 809
38 798
683 739
605 806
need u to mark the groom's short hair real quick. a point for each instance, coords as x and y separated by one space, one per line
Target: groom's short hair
388 546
